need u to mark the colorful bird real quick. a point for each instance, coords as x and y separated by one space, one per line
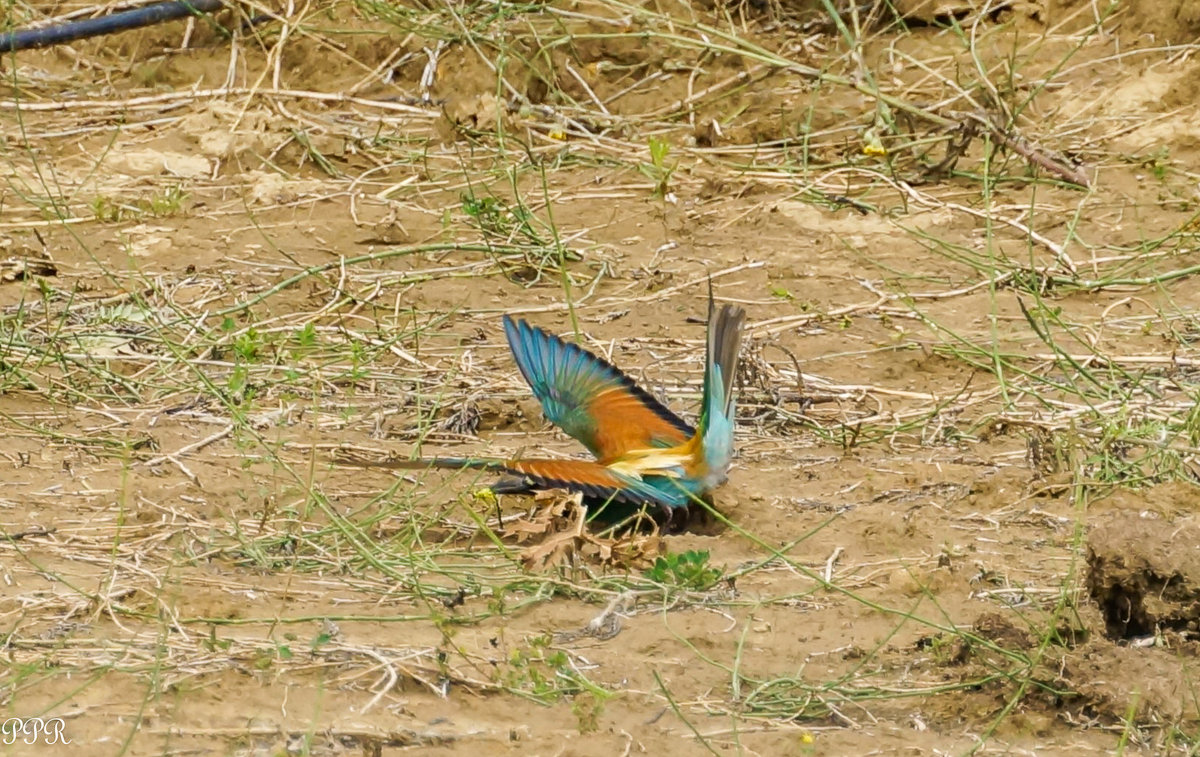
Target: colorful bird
644 453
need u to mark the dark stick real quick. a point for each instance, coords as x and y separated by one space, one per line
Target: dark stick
115 22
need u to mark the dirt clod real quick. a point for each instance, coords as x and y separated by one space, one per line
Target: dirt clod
1144 573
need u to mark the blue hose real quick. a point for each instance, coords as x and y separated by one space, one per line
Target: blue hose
115 22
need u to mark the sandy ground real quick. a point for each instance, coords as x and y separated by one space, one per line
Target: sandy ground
963 513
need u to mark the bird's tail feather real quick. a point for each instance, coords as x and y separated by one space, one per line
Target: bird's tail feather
714 432
721 358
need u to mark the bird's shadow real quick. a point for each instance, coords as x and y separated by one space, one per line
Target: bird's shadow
617 518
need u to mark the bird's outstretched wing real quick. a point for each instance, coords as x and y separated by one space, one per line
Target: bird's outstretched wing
590 399
593 480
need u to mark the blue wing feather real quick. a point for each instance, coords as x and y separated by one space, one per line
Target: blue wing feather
566 379
594 481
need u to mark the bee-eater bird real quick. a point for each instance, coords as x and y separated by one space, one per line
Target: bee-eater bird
644 453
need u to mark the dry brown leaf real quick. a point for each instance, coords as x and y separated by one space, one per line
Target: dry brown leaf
546 521
523 530
559 534
568 516
551 552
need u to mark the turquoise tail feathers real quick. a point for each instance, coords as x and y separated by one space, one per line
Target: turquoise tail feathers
718 404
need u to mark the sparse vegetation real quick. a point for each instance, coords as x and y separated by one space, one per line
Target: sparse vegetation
966 243
685 570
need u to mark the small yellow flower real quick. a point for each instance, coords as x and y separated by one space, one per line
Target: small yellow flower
485 495
558 134
872 145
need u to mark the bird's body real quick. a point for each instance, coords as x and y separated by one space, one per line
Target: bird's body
644 453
